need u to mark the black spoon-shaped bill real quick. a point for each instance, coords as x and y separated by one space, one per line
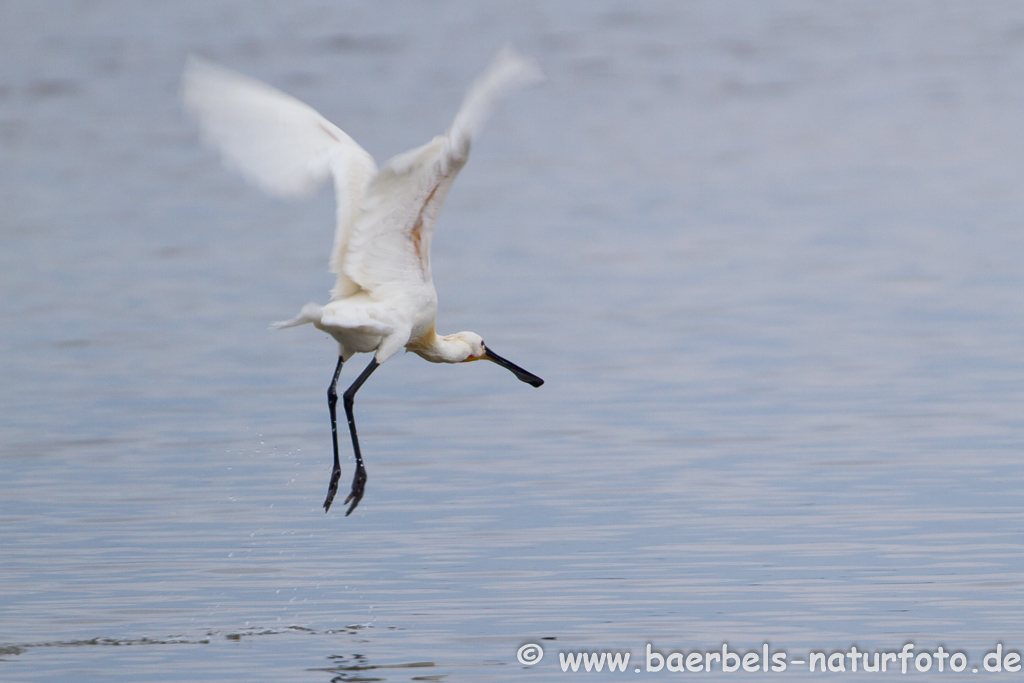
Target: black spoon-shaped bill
524 376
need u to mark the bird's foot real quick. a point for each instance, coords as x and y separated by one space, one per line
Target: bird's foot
358 484
333 488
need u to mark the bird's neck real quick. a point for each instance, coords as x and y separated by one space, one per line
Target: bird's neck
437 349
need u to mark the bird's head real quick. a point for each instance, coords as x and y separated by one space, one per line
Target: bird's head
470 346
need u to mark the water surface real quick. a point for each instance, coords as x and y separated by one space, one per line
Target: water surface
766 255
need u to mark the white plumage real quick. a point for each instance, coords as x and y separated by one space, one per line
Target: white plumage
384 297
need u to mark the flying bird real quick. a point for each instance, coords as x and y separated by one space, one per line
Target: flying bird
383 299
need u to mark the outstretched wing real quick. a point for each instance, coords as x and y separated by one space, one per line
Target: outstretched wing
389 245
277 142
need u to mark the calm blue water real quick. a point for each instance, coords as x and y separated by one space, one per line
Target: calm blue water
766 255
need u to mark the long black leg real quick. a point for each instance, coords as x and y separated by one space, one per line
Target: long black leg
359 480
332 401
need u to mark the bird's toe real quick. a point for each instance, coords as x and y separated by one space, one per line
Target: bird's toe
358 484
332 489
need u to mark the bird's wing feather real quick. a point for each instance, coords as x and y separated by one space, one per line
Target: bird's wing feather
275 141
389 245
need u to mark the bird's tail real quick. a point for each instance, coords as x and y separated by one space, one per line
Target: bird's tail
310 313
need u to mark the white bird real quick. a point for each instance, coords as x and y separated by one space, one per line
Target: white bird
384 297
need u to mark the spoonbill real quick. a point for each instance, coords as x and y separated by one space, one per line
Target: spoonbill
383 299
